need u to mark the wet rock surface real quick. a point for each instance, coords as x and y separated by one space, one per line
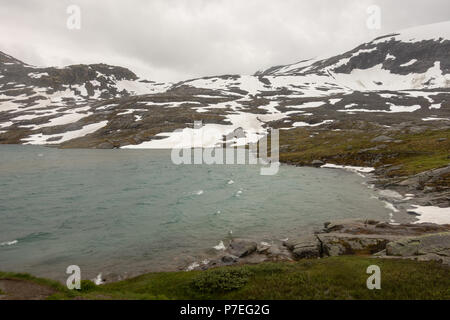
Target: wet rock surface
242 248
423 242
304 247
427 247
430 188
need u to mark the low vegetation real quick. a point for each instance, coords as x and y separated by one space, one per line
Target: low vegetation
408 153
330 278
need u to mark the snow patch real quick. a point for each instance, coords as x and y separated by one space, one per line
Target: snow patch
409 63
349 168
37 139
432 214
305 124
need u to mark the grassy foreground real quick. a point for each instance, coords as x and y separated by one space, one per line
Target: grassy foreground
330 278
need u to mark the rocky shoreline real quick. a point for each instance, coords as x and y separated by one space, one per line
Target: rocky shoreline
421 242
424 189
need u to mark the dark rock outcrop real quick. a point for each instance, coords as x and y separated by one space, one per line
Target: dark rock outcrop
305 247
241 248
427 247
425 241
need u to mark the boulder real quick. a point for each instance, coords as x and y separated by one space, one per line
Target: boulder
276 253
229 258
304 247
263 248
317 163
403 248
335 244
241 247
306 252
105 145
431 245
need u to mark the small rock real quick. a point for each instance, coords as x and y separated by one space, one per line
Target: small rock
242 248
317 163
382 139
307 252
229 258
262 248
334 244
402 248
105 145
304 247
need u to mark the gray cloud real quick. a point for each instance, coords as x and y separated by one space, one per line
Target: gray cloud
175 39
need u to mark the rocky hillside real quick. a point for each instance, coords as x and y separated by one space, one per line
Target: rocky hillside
398 79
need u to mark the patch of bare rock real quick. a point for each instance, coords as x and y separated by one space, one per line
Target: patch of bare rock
429 187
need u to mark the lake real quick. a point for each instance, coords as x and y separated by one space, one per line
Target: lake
130 211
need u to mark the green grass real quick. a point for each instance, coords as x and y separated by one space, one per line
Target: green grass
417 152
330 278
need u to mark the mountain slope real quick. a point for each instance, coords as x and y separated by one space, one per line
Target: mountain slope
416 58
392 80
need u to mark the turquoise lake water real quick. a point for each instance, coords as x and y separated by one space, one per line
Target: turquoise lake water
131 211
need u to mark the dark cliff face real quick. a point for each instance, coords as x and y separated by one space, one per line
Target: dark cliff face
95 76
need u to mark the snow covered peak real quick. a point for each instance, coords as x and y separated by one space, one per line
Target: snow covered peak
415 58
436 31
402 53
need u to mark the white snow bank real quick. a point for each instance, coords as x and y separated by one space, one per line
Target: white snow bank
349 168
435 119
38 75
210 135
409 63
65 136
432 214
305 124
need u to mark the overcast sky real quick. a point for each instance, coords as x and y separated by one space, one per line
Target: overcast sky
170 40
